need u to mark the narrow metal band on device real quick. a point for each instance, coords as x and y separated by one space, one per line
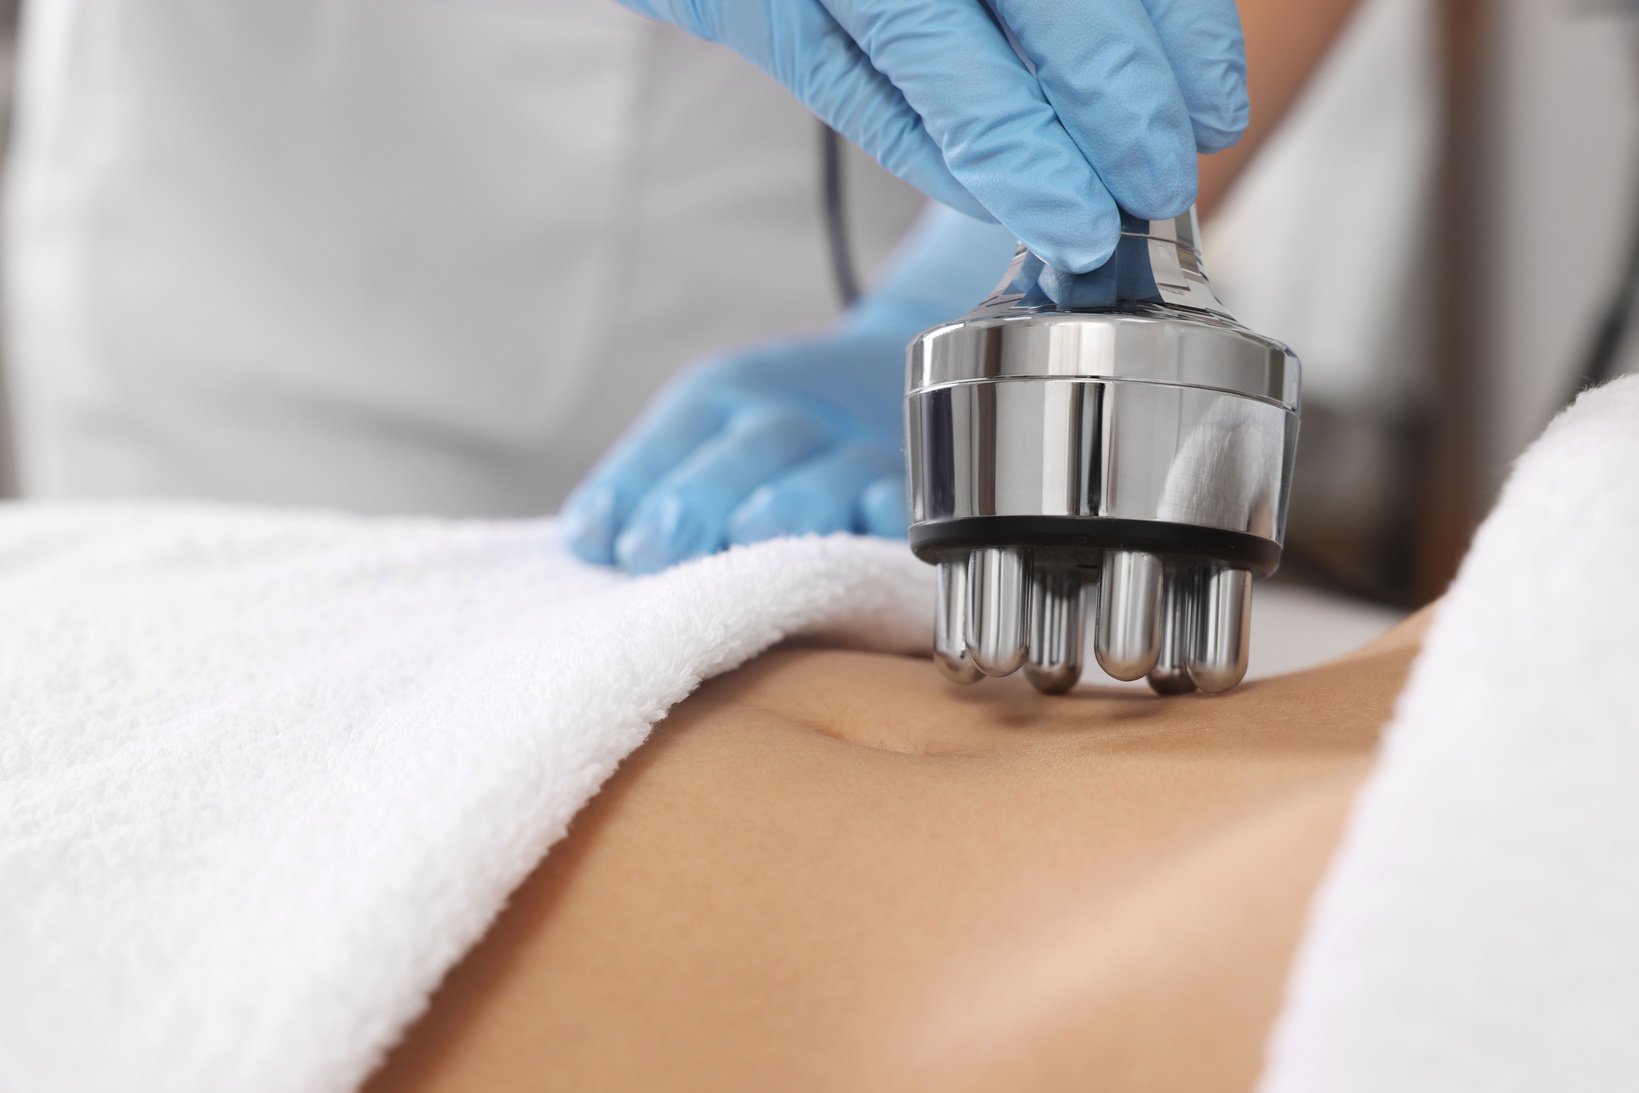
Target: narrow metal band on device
1195 351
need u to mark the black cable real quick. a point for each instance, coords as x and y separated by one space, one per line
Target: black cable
836 216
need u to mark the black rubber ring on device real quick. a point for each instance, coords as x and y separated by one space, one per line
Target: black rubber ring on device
1080 540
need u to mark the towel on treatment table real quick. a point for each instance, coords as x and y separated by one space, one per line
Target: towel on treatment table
264 778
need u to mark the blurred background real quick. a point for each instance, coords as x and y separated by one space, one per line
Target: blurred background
433 256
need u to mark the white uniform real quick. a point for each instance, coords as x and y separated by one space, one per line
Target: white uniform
406 255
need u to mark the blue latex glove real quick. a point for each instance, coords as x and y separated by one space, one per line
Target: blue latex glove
794 437
777 440
1108 109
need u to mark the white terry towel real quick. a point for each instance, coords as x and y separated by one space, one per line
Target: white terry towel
264 778
1479 928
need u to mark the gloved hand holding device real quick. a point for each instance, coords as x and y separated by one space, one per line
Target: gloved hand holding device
1104 117
789 437
1116 99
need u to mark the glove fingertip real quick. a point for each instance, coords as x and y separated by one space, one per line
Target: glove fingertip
755 520
1223 126
1209 139
661 534
586 524
1164 185
1219 107
1083 254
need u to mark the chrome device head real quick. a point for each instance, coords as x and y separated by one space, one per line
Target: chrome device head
1127 448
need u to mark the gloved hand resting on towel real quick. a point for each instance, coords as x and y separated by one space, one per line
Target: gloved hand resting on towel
786 438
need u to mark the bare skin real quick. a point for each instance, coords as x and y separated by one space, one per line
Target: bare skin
832 870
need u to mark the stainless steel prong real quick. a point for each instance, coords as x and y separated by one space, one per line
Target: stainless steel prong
1128 636
998 604
1179 590
1056 618
1218 661
950 624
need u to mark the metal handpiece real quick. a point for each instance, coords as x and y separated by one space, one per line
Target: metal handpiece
998 605
950 624
1056 621
1170 676
1147 438
1128 640
1218 661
